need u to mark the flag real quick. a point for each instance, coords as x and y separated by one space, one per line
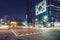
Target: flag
41 7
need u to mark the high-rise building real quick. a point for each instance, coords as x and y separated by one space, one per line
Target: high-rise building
54 10
47 11
6 19
41 13
29 11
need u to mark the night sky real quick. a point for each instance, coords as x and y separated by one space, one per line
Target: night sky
13 8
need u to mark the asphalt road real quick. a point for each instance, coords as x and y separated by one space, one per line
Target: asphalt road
27 34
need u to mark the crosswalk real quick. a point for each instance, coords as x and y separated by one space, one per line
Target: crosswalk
17 33
26 34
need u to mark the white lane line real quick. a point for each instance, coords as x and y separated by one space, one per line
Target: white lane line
21 35
27 34
14 32
24 34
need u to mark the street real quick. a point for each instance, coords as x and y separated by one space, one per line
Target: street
29 19
26 34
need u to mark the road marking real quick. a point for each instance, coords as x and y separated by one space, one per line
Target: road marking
21 35
27 34
14 32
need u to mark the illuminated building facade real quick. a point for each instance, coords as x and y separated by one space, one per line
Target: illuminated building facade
31 11
41 13
54 10
47 11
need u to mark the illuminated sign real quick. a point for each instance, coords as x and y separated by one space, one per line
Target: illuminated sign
41 7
